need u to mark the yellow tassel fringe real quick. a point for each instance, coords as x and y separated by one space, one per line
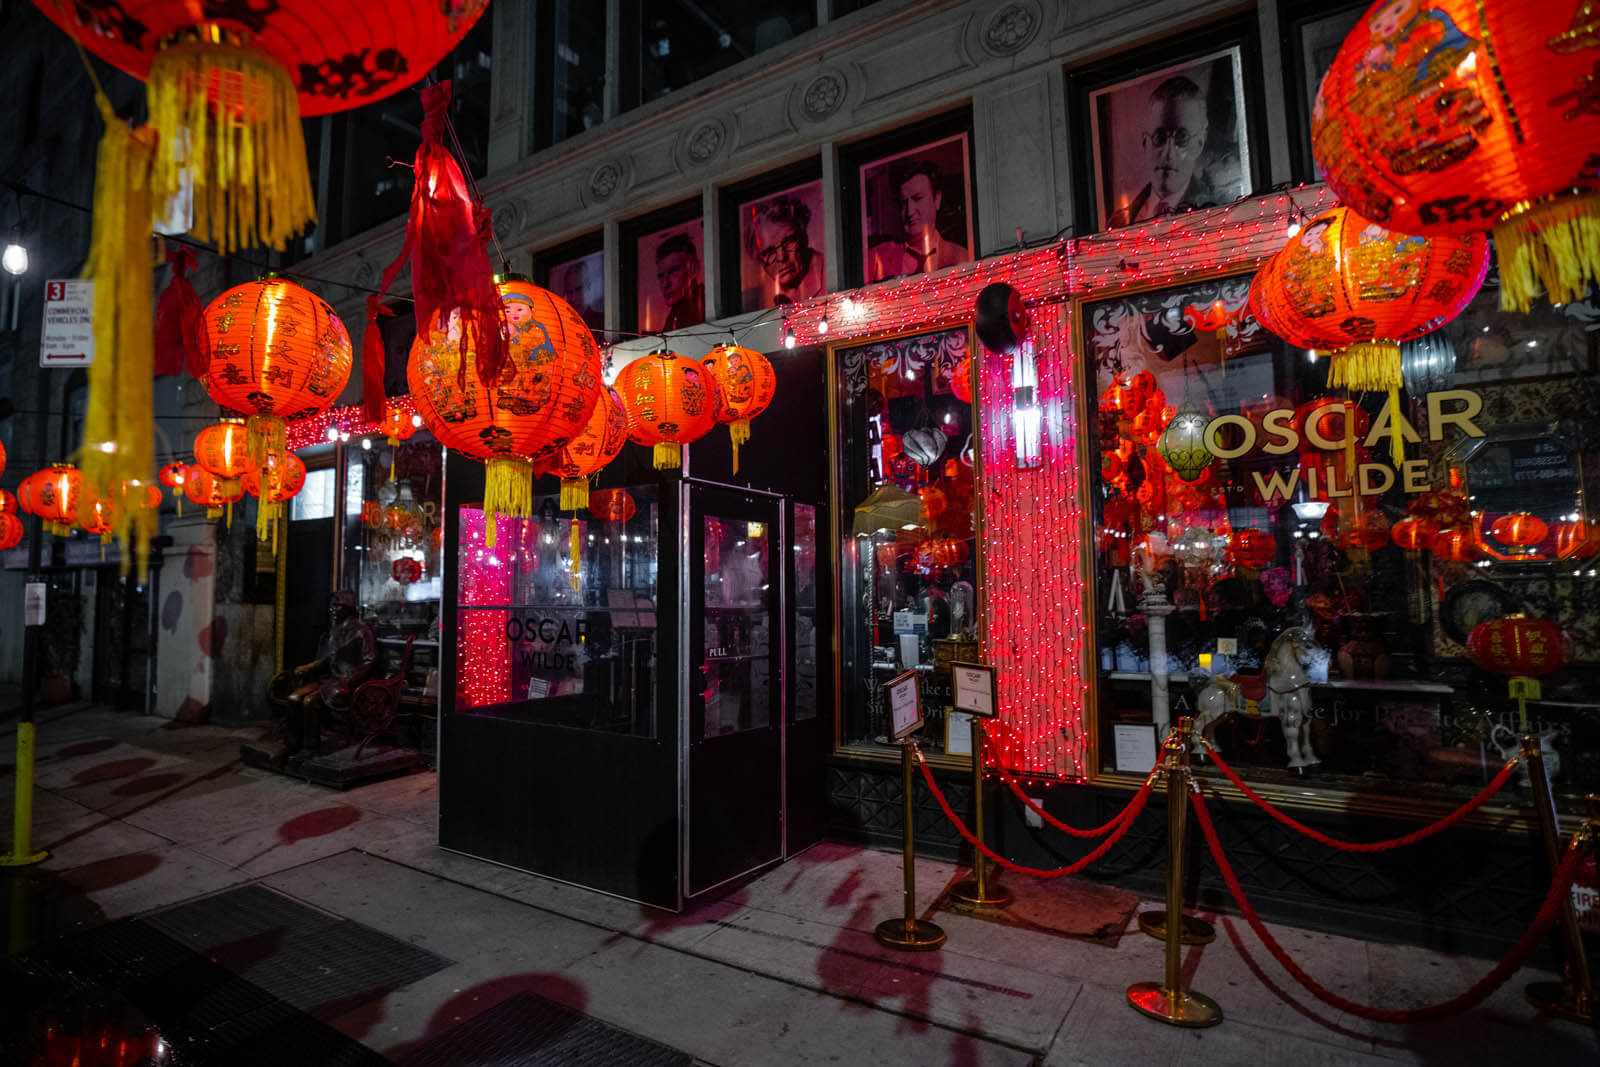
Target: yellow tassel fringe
507 490
575 556
231 137
738 433
119 426
268 512
668 454
1550 248
266 440
1366 366
574 493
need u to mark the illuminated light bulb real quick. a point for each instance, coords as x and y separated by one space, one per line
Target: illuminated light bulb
1294 228
366 444
108 446
333 433
416 420
788 336
822 325
15 257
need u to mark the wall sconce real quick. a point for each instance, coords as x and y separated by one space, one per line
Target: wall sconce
1027 417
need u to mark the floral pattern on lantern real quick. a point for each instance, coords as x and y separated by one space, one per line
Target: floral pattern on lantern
541 400
745 383
597 444
278 353
1462 115
670 401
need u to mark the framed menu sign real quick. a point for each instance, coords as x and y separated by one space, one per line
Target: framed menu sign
905 708
974 689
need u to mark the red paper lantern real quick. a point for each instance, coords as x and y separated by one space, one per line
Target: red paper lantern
55 494
1350 287
542 399
436 538
274 486
1520 528
98 514
611 505
172 476
1462 115
8 502
398 424
1455 544
1414 534
1517 645
11 530
597 444
1366 529
406 570
670 402
961 380
212 493
229 81
745 383
223 450
1577 539
1251 548
278 353
141 495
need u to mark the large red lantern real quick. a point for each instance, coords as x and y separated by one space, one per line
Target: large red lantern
223 450
542 399
597 444
1414 533
274 486
8 502
745 382
961 381
670 402
1577 539
1251 548
1359 529
278 353
1466 115
11 530
611 505
1349 287
1456 544
1520 528
212 493
1517 645
55 496
406 570
229 80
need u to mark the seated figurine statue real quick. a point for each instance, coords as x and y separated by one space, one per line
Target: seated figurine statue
346 657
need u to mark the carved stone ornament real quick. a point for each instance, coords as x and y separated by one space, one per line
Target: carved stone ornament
605 179
823 96
705 141
1010 29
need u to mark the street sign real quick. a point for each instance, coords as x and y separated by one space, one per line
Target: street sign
67 339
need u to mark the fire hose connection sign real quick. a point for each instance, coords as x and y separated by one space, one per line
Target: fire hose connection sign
67 338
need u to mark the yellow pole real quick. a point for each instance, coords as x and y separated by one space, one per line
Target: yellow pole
22 854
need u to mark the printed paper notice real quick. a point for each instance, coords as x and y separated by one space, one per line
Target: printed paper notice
958 734
1586 902
905 709
974 688
67 339
1136 747
33 604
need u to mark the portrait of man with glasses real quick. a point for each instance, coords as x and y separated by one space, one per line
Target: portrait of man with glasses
1170 142
780 238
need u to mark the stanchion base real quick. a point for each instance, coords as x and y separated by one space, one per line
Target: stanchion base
1190 1010
1193 931
993 896
10 860
912 935
1553 998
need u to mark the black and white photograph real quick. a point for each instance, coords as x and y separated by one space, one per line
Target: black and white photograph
780 248
581 283
914 212
671 278
1171 140
1317 40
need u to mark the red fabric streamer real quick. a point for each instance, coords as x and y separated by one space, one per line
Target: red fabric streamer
450 271
1548 912
180 342
372 361
1129 814
1495 785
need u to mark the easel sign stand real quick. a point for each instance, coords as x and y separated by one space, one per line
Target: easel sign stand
975 694
905 711
1169 1001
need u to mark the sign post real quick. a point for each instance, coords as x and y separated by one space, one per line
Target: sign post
905 714
975 693
67 338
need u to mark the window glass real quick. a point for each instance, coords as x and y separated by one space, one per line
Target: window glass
804 698
558 617
1310 600
908 598
315 499
738 641
686 40
573 45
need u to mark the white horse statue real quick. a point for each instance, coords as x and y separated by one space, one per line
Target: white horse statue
1219 697
1291 695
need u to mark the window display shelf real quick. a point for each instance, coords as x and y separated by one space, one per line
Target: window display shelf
1401 685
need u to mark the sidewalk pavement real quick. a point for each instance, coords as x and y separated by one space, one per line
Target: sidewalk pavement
140 814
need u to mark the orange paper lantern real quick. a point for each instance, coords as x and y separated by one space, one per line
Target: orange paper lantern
1348 286
597 444
55 494
98 513
398 425
8 502
1455 544
670 401
274 486
11 530
1466 115
611 505
961 381
1520 528
542 399
1362 529
745 382
1577 539
278 353
141 495
223 451
1414 534
211 492
1518 646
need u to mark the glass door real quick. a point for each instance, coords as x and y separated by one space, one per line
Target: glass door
736 696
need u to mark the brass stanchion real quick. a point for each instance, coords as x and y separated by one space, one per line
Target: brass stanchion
1192 930
1168 1001
978 890
909 932
1573 996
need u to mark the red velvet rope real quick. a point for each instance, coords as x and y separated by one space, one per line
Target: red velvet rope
1412 838
1033 806
1129 814
1503 970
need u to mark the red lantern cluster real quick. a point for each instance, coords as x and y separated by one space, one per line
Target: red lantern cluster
1366 529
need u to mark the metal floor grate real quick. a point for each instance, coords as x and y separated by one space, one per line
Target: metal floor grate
529 1031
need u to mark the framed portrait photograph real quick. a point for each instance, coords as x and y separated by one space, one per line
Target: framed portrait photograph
915 215
1171 140
670 280
581 282
781 237
1314 30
